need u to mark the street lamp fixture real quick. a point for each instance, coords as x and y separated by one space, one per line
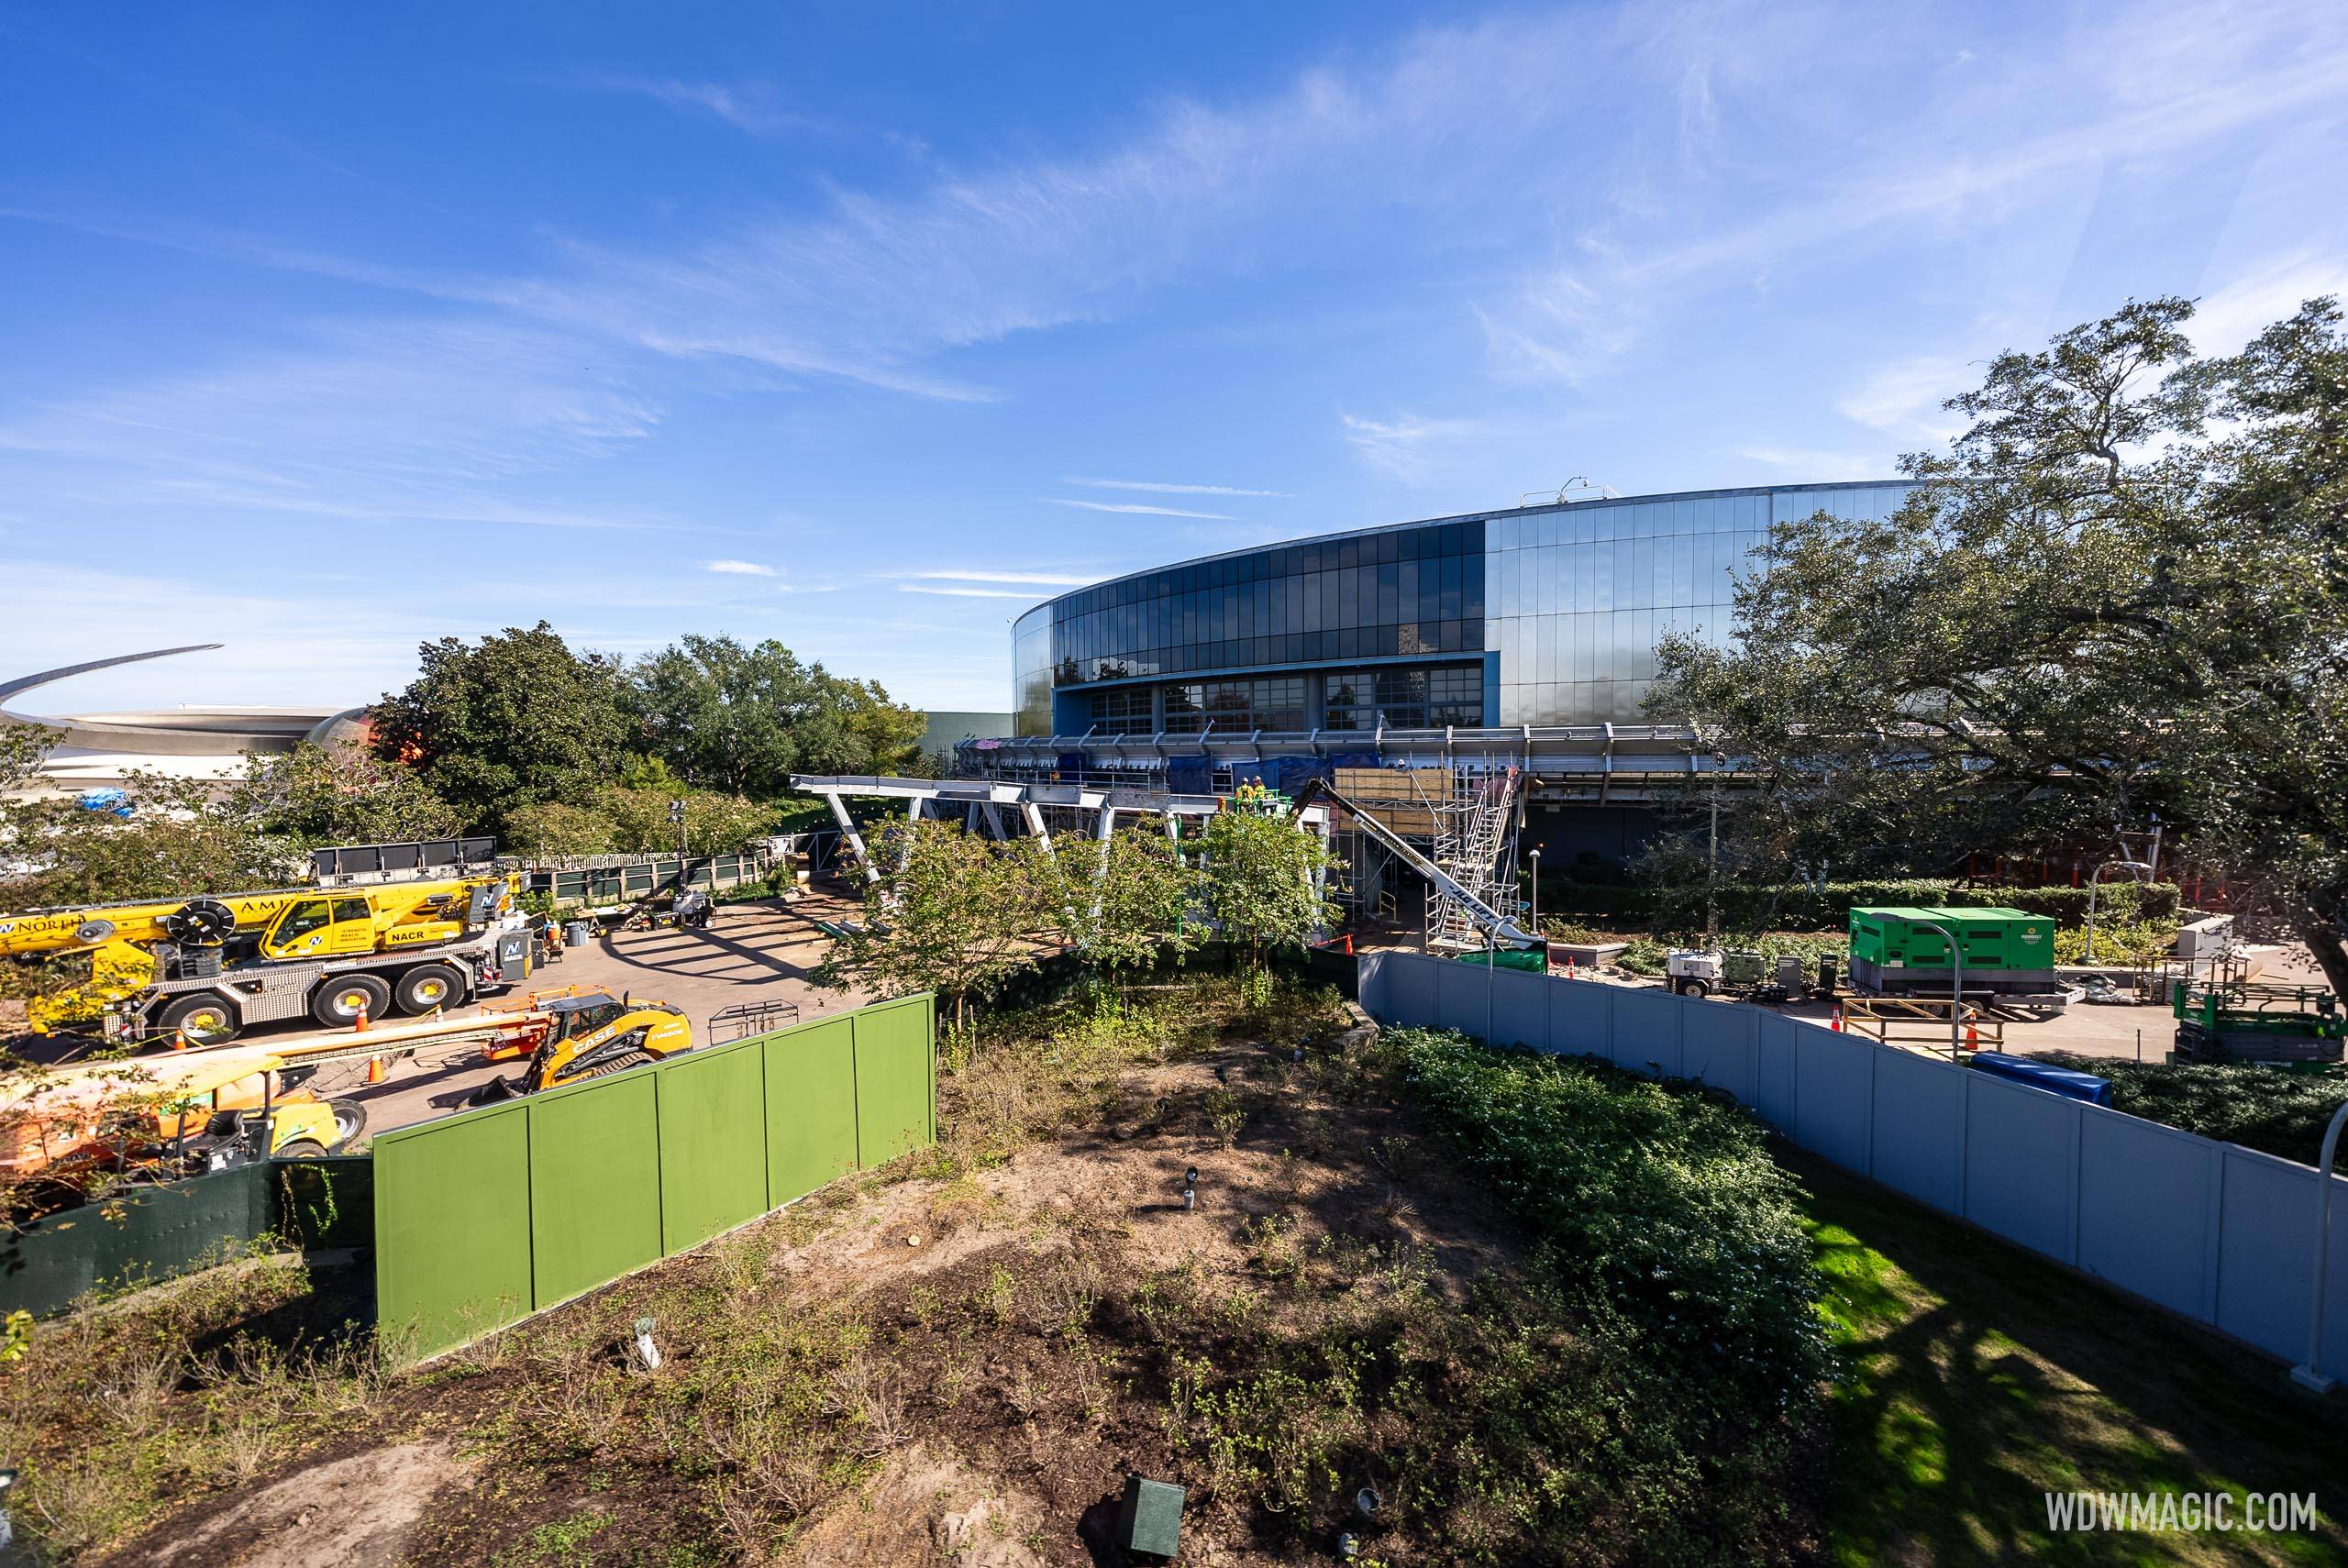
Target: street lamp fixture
2136 869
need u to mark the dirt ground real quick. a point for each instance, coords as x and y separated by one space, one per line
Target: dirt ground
1007 1383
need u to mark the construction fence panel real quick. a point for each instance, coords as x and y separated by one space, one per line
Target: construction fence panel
2217 1233
453 1229
811 1106
594 1184
712 1144
896 1105
142 1234
485 1218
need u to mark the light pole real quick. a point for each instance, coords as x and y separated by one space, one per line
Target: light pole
1955 989
2309 1374
1537 892
2095 884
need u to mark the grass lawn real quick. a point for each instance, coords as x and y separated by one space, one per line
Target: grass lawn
1950 1424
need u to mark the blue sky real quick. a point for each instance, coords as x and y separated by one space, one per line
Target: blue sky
326 329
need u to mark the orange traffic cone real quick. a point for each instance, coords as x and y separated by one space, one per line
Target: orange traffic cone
1570 965
361 1026
1972 1038
374 1069
1837 1025
179 1039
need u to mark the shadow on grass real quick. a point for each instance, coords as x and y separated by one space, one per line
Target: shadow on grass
1979 1378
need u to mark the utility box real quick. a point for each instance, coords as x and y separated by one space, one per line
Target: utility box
2008 952
1150 1520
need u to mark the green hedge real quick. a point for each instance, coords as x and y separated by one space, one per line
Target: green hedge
1800 907
1664 1221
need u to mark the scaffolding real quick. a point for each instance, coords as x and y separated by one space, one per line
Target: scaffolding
1466 817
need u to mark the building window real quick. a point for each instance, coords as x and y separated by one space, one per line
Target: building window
1406 699
1124 712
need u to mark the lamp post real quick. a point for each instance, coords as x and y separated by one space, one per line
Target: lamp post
1955 989
1537 892
2095 884
2309 1374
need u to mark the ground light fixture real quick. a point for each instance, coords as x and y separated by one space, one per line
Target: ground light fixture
1150 1518
647 1353
1190 1188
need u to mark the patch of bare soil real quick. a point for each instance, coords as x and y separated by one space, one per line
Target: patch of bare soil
923 1508
1269 1149
354 1512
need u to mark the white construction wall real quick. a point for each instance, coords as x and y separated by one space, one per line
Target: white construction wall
2222 1234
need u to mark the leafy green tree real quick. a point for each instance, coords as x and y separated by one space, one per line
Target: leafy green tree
183 838
1126 900
715 824
2121 593
742 720
1264 880
557 827
313 795
510 721
953 913
23 748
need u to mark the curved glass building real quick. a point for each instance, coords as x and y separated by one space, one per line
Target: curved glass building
1540 615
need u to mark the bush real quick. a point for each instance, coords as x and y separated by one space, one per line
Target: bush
1664 1219
1800 906
2278 1110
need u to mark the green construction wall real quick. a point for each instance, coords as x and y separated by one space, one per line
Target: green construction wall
485 1218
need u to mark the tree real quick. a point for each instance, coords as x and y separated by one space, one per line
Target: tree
953 913
715 824
313 795
518 720
2091 611
1127 900
557 828
182 838
742 720
1265 878
23 748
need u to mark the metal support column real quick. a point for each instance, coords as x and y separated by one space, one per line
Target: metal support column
855 839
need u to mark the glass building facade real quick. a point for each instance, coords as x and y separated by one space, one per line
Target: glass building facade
1534 615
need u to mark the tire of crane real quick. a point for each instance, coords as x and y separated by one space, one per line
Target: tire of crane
203 1019
336 1002
426 987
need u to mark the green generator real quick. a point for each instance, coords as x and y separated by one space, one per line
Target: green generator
2007 952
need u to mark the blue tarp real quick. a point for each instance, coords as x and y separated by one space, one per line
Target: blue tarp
2064 1081
1191 775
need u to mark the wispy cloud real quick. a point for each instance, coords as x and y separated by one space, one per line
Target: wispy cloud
1137 506
1157 488
1904 397
962 593
1040 579
745 106
1409 448
1816 465
738 568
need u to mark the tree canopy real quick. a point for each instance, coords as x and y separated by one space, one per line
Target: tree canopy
508 722
1264 880
2120 596
742 720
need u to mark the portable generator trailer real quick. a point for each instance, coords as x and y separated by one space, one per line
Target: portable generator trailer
2008 955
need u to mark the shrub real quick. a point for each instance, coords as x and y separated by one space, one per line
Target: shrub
1664 1221
2278 1110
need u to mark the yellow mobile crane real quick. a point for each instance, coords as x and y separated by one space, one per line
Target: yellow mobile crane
203 968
